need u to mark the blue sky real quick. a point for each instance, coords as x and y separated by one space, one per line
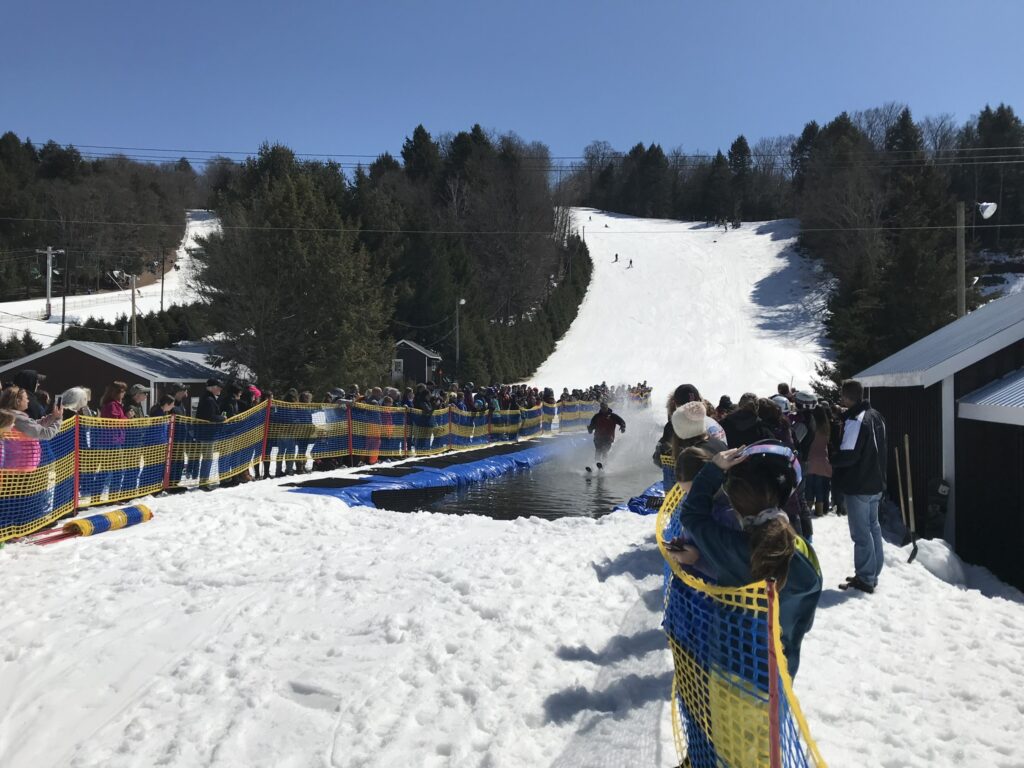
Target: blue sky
357 77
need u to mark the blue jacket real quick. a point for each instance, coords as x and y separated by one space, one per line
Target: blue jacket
728 552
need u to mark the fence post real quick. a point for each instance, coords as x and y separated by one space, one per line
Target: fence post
348 408
774 745
266 432
77 462
170 452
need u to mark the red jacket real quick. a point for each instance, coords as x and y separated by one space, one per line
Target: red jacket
603 425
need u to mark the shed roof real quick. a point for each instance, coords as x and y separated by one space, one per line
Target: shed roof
418 348
1001 401
145 362
952 348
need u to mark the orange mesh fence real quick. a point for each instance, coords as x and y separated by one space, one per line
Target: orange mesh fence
37 481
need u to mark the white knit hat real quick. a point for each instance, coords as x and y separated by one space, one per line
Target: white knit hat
688 420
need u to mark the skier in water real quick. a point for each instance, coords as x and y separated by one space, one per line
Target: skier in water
602 427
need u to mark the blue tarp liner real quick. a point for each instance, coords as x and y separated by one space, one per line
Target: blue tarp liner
452 476
647 503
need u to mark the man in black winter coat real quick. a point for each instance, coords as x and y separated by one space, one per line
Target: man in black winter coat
602 427
859 469
209 402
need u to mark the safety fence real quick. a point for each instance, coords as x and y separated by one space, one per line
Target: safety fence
95 461
732 695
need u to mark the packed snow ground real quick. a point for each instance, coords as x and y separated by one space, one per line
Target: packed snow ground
20 316
729 311
256 627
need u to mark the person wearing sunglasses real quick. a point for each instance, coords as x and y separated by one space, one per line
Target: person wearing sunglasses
758 481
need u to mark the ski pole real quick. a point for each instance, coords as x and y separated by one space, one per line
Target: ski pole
899 484
910 500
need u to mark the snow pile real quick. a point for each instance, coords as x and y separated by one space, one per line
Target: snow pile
729 311
21 316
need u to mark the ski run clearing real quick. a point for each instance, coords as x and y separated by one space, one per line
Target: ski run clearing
29 315
256 627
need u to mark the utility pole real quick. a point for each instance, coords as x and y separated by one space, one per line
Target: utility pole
163 256
64 298
50 252
961 263
135 333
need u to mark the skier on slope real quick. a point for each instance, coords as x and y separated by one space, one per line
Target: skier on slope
616 259
630 264
602 427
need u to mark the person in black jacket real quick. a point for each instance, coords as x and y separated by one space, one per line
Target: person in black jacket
859 469
30 380
602 427
743 426
209 402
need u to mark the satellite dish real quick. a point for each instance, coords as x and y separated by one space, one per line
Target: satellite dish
987 209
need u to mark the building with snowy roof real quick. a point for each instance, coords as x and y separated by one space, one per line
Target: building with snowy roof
959 394
94 365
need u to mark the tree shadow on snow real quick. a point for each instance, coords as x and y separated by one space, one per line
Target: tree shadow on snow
790 300
780 229
630 692
638 562
618 648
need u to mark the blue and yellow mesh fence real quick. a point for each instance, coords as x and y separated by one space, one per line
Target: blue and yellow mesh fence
470 429
208 452
120 459
104 461
300 431
733 704
530 423
37 481
379 432
429 433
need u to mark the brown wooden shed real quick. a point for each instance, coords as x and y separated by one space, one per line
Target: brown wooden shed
94 365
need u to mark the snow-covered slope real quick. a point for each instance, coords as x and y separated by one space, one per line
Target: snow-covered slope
729 311
19 316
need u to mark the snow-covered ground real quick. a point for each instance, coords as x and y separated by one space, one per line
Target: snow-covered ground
20 316
256 627
252 626
729 311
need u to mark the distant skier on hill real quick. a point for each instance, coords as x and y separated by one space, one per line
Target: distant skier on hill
616 259
630 264
602 427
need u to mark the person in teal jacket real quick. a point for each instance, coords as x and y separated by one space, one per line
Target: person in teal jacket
758 480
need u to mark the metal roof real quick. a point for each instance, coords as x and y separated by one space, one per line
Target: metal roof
418 348
1001 401
952 348
145 362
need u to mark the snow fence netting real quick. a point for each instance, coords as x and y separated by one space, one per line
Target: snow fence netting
733 704
37 481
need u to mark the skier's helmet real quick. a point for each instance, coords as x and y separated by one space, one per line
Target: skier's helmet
769 462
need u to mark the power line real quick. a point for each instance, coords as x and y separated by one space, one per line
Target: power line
487 233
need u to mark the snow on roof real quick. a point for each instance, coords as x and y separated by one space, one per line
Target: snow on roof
952 348
1001 401
418 348
146 362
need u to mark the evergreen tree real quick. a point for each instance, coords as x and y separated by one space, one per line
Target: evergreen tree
741 167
